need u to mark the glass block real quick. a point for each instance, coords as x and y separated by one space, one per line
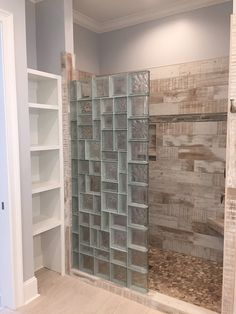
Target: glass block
75 242
119 221
138 237
139 281
120 105
85 132
138 259
75 223
74 168
84 107
123 162
84 219
104 238
107 122
85 119
97 203
119 84
84 235
110 187
138 216
121 140
87 263
94 237
119 257
119 274
139 83
104 255
138 194
111 156
105 221
94 150
95 167
75 204
96 109
138 173
87 202
75 189
122 183
107 105
121 121
73 90
74 149
73 130
86 250
82 183
110 170
86 88
138 129
107 140
138 151
102 87
84 167
122 204
102 269
96 221
81 150
110 202
94 184
138 106
97 130
75 260
73 111
119 239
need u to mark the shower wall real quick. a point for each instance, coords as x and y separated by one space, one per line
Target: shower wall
187 151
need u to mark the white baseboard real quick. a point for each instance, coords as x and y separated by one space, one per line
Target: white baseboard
30 290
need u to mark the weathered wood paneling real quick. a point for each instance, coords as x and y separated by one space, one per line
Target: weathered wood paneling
187 151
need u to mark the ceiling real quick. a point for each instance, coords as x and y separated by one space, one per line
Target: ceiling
106 15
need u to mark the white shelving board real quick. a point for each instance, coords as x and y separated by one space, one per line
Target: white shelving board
46 146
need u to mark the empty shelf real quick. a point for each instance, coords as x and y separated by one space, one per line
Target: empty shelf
42 224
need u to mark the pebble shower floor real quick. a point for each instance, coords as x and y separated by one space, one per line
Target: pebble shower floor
109 143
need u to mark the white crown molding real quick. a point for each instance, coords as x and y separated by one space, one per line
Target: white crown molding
179 6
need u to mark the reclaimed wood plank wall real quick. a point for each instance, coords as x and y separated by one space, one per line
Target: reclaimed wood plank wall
187 152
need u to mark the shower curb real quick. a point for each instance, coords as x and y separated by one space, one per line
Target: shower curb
152 299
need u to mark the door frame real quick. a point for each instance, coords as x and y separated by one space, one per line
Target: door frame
13 163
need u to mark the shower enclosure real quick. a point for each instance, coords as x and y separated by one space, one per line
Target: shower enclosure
109 143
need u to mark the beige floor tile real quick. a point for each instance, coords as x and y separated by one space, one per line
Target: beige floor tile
69 295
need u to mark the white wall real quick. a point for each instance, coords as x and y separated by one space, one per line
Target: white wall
31 34
196 35
86 45
17 7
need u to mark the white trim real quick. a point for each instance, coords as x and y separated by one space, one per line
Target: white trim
13 159
179 6
30 290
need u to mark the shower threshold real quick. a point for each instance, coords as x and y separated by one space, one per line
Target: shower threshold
152 299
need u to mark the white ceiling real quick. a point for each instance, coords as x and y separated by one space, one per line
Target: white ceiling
106 15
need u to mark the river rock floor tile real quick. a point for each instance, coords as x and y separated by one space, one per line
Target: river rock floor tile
191 279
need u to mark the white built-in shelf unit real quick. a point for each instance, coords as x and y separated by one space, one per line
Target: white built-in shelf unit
45 116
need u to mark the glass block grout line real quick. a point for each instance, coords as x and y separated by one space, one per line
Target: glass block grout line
121 152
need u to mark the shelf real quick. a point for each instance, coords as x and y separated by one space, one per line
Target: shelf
39 148
44 186
42 224
43 106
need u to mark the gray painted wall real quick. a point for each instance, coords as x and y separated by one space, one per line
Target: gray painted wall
17 7
30 15
50 35
196 35
86 47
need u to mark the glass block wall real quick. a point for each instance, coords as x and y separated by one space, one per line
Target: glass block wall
109 140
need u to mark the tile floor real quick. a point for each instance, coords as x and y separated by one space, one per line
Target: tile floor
69 295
